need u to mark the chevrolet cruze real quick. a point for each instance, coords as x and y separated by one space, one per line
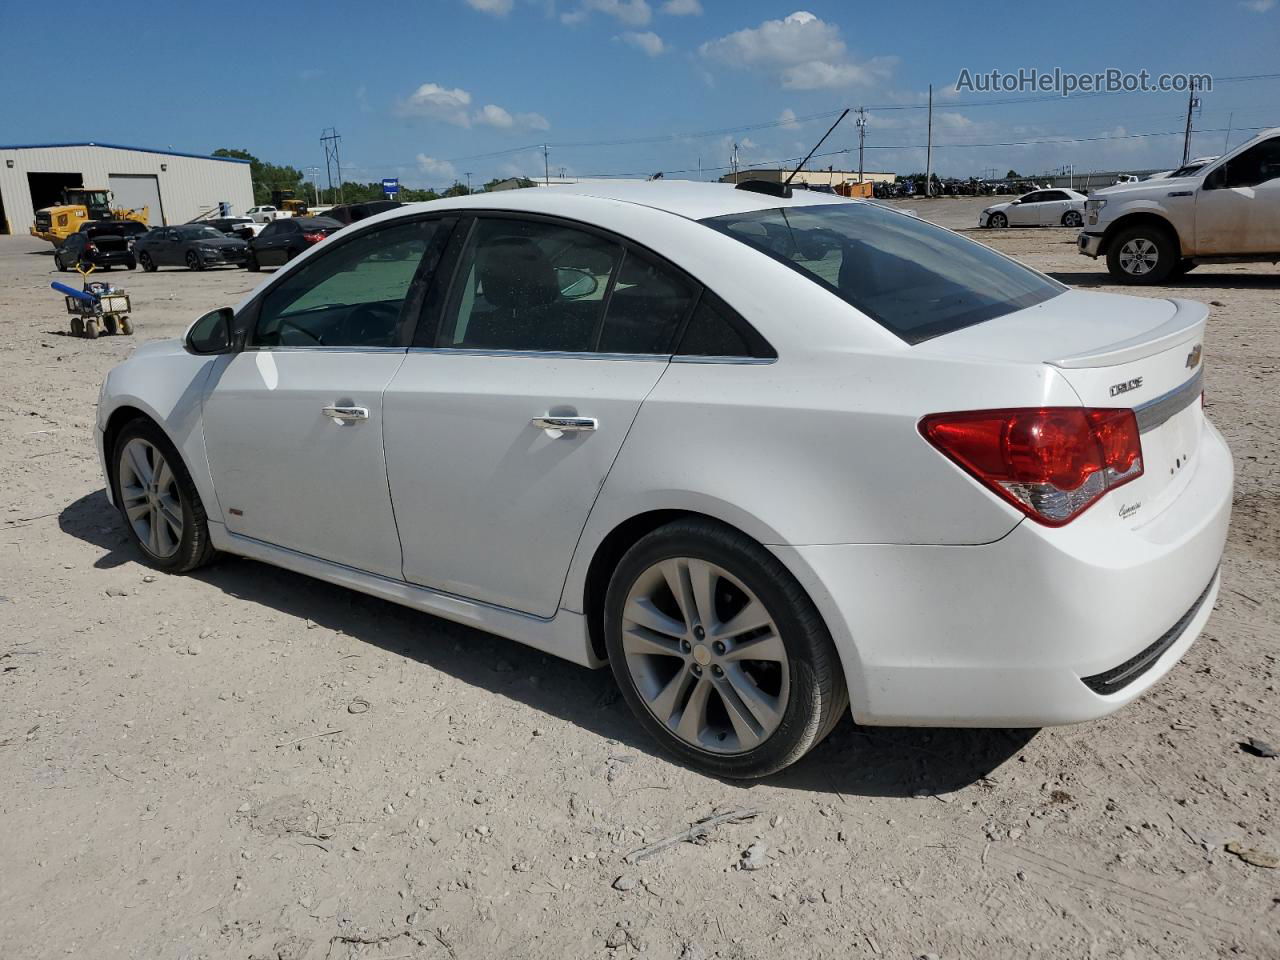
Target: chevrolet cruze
769 457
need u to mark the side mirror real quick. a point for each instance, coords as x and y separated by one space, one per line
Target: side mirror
211 334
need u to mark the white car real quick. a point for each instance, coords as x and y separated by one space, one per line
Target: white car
263 214
1039 208
769 457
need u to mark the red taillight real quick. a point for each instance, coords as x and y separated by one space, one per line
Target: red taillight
313 237
90 248
1049 462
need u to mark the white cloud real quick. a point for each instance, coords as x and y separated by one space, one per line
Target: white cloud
634 13
788 118
648 41
499 8
801 51
453 106
682 8
436 168
438 103
1258 6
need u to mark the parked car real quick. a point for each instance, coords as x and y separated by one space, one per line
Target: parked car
265 213
1224 211
346 213
282 240
768 455
191 245
244 228
1040 208
103 243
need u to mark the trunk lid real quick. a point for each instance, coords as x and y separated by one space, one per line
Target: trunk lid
1114 352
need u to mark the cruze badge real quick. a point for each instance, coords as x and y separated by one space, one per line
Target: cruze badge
1193 358
1119 388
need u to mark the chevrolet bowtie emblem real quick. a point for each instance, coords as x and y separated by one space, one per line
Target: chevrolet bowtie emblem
1193 358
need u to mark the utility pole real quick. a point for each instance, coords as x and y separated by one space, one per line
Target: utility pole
862 136
546 167
332 157
928 157
1227 139
733 163
315 182
1192 103
468 181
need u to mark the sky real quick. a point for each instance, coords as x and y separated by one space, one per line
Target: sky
436 90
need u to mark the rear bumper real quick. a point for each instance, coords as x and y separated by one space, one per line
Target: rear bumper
1089 244
1024 632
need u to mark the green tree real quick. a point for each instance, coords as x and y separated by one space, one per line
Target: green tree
457 190
267 177
1012 175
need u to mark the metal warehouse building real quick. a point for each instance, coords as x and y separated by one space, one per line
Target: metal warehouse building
176 187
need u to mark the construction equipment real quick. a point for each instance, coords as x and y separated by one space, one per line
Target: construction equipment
287 203
79 205
97 308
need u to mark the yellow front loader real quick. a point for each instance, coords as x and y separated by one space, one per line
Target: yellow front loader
79 206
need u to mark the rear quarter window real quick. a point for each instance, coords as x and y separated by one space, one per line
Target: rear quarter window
915 279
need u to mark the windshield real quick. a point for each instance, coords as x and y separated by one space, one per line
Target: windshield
915 279
1188 170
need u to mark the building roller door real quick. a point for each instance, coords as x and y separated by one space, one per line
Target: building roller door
135 191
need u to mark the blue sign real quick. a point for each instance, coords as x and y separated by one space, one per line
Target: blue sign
391 186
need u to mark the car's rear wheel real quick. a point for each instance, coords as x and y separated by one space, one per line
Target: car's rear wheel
719 652
57 262
193 261
148 264
1072 218
1144 254
158 500
997 220
251 263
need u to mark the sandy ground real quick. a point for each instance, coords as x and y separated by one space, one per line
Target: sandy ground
461 796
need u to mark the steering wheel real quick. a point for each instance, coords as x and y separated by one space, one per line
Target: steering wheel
302 330
372 324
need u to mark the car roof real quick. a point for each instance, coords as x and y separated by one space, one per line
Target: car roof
684 198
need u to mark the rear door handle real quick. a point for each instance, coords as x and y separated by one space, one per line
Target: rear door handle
345 414
560 425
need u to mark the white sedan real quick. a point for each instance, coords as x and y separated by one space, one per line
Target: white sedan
769 457
1039 208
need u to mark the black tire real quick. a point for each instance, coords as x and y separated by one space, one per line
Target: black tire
193 261
126 326
997 221
131 263
91 329
1072 218
110 325
251 263
57 262
1145 237
148 264
195 549
818 698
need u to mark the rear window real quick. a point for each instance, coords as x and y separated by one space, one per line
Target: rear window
916 280
317 223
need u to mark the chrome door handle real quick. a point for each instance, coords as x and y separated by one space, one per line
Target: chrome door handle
345 414
558 425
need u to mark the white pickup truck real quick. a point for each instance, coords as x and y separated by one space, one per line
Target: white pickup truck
1227 211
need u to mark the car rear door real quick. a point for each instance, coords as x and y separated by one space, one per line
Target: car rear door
294 422
508 412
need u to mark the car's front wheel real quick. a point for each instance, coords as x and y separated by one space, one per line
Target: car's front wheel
251 263
193 261
158 500
1144 254
719 652
998 221
148 264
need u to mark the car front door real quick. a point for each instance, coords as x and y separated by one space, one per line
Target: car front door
1238 203
1026 212
508 413
294 422
168 252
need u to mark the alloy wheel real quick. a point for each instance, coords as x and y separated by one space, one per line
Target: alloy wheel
1072 219
705 655
1139 256
149 491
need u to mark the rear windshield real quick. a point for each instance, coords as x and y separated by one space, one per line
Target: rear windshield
916 280
317 223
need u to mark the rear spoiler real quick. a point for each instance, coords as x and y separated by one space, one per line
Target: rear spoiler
1186 324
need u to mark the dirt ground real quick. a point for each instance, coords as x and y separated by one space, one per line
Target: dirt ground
246 763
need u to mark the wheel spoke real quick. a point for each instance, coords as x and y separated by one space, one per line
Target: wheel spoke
153 532
766 647
693 718
136 511
751 617
172 514
642 612
744 724
642 641
138 462
764 708
702 581
670 697
164 476
676 573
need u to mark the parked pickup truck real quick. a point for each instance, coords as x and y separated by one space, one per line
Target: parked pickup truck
1228 211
